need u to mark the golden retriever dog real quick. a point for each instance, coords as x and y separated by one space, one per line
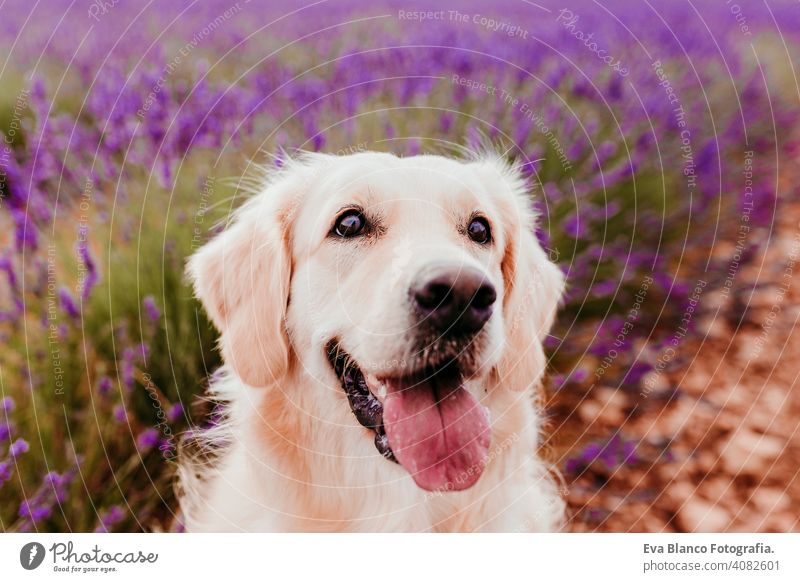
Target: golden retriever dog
381 323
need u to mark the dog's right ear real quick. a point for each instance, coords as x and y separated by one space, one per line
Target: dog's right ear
242 279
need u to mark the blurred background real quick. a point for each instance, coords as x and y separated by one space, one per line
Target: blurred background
660 142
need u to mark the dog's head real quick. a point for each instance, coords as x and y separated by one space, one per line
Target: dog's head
415 284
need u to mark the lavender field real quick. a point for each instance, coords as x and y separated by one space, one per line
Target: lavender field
660 142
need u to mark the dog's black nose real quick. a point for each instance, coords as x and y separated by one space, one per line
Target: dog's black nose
454 300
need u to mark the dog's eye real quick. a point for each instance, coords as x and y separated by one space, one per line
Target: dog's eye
349 224
479 231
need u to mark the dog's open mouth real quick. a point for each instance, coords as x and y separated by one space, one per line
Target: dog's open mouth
428 421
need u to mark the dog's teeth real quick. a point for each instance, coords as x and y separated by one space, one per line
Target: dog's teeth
377 387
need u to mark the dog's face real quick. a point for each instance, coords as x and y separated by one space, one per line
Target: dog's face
414 285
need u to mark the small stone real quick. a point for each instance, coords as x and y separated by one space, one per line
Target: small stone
770 500
747 451
698 515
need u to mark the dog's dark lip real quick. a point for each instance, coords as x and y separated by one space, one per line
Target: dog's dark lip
367 409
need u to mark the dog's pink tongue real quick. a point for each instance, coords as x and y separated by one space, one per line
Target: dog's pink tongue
440 434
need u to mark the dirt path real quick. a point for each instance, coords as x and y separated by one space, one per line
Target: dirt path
732 425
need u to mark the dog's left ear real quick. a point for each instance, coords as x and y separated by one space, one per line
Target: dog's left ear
242 278
533 285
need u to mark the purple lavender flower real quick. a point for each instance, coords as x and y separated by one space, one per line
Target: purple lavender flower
148 438
91 278
35 513
53 490
128 368
68 303
552 342
120 414
151 309
105 385
6 468
579 375
8 267
7 404
59 483
110 518
575 227
25 230
636 372
445 123
18 447
175 412
613 454
604 288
